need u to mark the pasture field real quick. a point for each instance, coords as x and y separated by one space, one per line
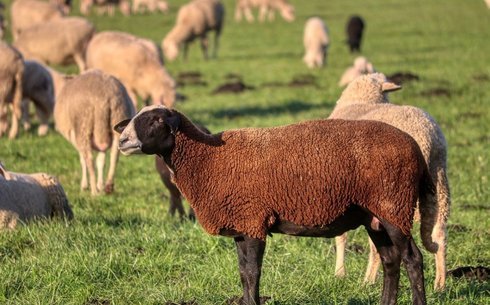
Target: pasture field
124 249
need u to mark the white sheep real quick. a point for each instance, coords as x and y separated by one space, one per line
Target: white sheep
61 41
195 20
26 13
266 8
361 66
150 5
365 99
37 86
11 70
85 111
316 42
25 197
136 62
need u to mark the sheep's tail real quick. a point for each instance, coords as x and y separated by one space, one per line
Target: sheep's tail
428 210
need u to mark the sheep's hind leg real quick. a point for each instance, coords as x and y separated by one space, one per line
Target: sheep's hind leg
391 259
87 155
83 164
204 46
340 242
109 184
250 254
100 162
373 264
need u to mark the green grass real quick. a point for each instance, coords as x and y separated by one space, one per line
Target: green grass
124 249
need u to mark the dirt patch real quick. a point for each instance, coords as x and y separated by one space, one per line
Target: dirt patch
232 87
481 77
479 273
303 80
190 78
402 77
193 302
237 300
234 76
439 91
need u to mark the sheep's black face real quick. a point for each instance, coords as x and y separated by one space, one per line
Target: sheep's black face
149 132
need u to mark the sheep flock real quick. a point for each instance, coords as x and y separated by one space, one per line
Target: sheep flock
372 162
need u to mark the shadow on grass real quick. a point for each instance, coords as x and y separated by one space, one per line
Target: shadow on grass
291 106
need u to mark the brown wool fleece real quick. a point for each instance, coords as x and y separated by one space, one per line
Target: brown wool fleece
307 173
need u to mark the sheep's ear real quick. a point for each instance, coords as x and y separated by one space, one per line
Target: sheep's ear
121 125
389 87
173 122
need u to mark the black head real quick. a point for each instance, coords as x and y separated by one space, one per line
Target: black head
151 131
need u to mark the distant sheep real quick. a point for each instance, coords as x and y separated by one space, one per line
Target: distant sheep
150 5
316 42
62 41
365 99
11 70
266 8
195 20
317 178
106 6
37 86
136 63
361 66
85 110
24 197
355 29
26 13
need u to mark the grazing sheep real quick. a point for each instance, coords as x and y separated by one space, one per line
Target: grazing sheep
361 66
135 62
175 195
106 6
11 70
37 86
266 7
61 41
26 13
150 5
317 178
316 41
194 20
355 28
364 99
25 197
84 112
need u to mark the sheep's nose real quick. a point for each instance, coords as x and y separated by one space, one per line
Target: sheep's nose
123 140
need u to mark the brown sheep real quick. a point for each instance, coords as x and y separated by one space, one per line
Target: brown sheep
317 178
11 70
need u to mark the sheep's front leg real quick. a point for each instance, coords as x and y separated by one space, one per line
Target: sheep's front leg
109 184
204 46
250 254
340 242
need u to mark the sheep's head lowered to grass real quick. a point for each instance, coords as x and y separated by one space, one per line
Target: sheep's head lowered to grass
151 131
368 89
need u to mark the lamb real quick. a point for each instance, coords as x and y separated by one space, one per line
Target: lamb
26 13
354 29
316 41
37 86
317 178
150 5
25 197
135 62
84 112
106 6
364 99
266 7
361 66
194 20
61 41
11 70
175 195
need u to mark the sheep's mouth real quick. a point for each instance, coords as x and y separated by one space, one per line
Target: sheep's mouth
129 148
